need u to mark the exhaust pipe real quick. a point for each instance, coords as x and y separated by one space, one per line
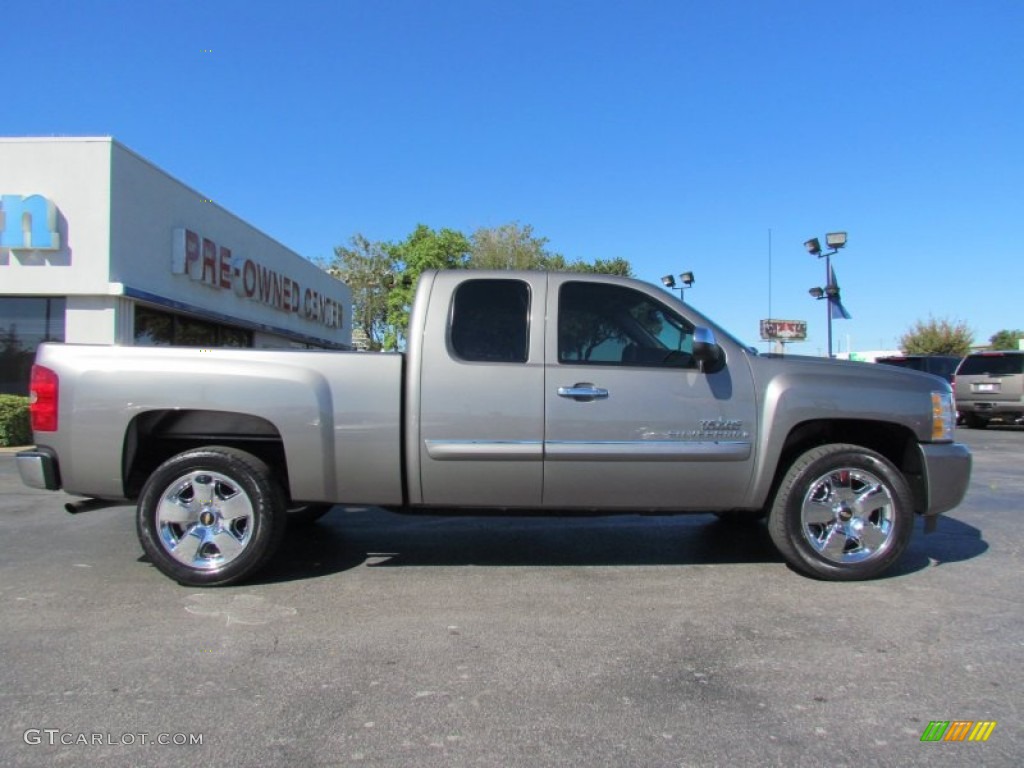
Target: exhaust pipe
88 505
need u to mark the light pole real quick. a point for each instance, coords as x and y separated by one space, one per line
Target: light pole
830 292
687 280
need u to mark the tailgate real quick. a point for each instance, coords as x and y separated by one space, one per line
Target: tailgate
992 377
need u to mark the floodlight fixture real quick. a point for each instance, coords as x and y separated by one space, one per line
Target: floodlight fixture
816 292
835 240
687 279
813 246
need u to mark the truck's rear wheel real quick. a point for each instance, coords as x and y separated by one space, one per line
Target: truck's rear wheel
210 516
842 513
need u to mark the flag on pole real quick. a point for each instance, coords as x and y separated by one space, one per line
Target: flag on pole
835 305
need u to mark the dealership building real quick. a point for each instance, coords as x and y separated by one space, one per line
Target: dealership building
99 246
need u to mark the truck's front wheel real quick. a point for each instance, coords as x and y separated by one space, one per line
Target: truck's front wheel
210 516
842 512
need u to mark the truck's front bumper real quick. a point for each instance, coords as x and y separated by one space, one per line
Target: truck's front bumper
946 473
38 469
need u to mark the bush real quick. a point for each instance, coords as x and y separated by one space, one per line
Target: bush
937 337
15 428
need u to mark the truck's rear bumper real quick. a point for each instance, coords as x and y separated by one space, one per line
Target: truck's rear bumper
947 473
38 469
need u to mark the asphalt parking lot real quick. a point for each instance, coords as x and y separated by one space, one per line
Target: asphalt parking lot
376 639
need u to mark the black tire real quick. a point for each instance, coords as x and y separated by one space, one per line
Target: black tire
842 513
218 540
307 514
974 422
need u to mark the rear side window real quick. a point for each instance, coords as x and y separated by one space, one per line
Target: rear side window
490 321
991 364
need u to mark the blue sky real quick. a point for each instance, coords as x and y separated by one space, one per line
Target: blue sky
676 135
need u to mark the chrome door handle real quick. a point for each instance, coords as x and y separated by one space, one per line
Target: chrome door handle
583 392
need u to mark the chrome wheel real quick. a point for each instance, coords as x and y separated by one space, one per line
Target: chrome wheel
847 515
204 520
211 516
842 512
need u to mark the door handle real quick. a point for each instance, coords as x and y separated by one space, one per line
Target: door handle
583 393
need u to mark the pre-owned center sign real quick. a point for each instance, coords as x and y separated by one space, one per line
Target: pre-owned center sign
216 266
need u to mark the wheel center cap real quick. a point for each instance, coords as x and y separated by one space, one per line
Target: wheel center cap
845 513
207 517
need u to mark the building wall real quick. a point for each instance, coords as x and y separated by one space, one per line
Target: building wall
75 175
253 279
118 218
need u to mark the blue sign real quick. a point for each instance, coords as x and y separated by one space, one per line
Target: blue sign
30 223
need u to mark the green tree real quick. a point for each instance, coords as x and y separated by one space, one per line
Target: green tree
937 337
1006 339
368 270
509 246
514 246
423 250
616 266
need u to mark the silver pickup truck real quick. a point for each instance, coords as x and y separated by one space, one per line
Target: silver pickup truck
519 391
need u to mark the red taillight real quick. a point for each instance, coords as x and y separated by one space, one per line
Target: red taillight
43 399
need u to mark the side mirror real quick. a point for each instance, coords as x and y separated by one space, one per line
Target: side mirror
706 352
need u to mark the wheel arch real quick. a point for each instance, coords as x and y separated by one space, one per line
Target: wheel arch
154 436
895 442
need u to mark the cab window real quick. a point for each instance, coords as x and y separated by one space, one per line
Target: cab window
490 321
614 325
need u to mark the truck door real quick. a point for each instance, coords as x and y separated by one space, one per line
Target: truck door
630 420
481 392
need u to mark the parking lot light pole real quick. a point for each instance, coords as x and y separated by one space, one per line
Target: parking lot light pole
686 279
830 292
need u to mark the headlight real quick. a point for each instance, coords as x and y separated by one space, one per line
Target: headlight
943 416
